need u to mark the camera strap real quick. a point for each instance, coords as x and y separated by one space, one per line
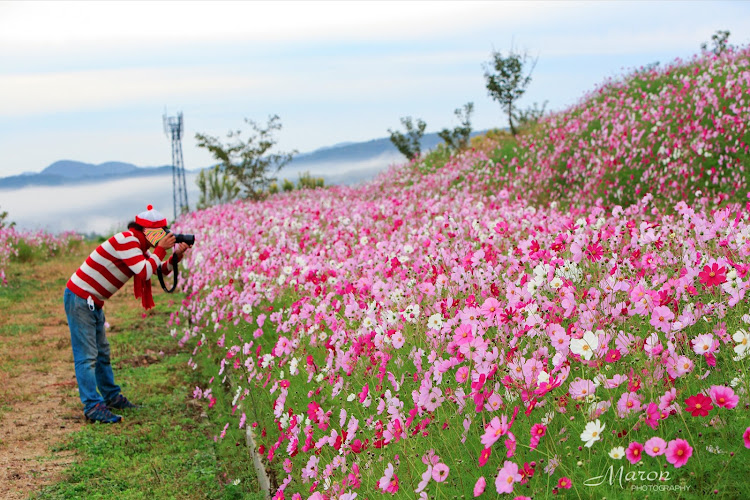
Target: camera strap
175 267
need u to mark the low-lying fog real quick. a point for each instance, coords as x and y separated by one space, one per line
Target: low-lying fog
106 207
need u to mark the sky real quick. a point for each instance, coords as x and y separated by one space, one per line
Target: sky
91 81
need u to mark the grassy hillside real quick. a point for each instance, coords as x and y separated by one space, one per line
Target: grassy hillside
670 132
517 318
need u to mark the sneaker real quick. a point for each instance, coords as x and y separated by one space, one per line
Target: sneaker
120 403
100 413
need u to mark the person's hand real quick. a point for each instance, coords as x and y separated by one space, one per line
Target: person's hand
167 242
180 250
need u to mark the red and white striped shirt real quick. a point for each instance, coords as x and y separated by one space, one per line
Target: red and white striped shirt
113 263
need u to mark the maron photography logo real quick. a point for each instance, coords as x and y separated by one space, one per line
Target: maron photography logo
636 480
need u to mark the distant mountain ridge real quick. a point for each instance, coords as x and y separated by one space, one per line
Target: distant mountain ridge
363 159
66 172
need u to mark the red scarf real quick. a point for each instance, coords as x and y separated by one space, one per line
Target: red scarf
141 287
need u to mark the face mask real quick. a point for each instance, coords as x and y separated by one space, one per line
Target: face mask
154 234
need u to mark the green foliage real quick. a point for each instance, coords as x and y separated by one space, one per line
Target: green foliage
307 181
458 138
529 117
287 186
4 220
166 448
216 187
719 42
409 144
507 80
249 161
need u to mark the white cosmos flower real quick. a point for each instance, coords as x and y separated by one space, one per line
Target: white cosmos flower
743 343
435 322
586 346
617 452
592 433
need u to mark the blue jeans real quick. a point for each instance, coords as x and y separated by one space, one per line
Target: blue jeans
90 352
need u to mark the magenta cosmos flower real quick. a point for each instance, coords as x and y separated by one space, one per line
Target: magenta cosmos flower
746 437
678 452
698 405
713 275
634 452
564 483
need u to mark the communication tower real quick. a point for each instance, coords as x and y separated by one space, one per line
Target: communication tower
173 129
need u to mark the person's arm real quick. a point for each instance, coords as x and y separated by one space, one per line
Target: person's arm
179 251
127 248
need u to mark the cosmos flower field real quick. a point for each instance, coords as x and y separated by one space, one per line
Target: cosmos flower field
565 314
20 244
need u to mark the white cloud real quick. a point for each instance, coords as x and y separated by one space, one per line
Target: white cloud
65 23
97 89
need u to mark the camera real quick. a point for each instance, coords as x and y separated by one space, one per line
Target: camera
185 238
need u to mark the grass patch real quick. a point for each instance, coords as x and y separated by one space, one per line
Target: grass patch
164 450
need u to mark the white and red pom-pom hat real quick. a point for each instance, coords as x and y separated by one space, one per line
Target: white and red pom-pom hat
151 218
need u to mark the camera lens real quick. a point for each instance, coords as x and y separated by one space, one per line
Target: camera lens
185 238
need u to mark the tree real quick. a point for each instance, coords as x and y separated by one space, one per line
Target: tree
249 161
458 138
719 41
409 144
216 187
507 80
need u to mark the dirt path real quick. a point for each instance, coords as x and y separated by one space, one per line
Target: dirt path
39 402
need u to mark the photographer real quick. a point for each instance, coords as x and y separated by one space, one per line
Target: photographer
104 272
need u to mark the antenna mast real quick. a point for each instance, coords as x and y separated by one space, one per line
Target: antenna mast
173 129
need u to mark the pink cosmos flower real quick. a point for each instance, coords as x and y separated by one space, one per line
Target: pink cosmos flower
479 486
667 399
491 309
634 452
678 452
661 318
389 481
494 431
507 476
463 334
628 402
440 472
510 444
462 374
564 483
537 432
723 397
581 388
746 437
652 415
655 446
